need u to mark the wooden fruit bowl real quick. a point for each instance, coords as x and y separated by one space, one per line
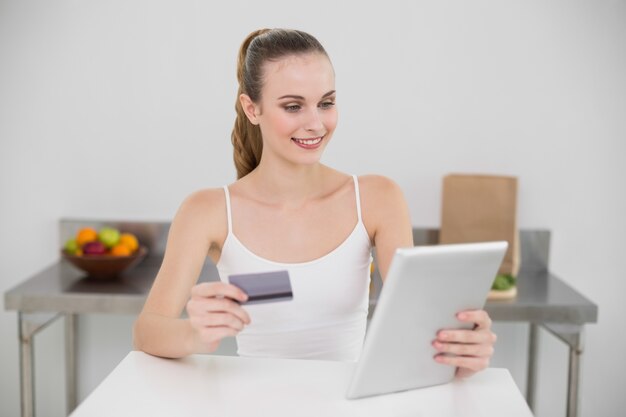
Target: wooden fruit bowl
105 266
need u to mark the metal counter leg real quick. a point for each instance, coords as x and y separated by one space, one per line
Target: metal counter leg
27 388
572 382
573 378
531 376
28 325
71 325
573 336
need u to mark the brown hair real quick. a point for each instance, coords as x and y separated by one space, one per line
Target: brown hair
259 47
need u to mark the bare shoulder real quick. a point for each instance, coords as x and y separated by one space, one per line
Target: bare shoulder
382 201
200 203
210 199
203 212
379 192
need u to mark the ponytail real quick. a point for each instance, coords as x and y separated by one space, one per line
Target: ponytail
260 46
246 137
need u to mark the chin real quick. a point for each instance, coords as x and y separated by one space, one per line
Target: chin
308 161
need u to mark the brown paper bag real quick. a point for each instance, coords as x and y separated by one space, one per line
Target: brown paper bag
479 208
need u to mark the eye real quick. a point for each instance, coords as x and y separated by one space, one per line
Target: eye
327 105
292 108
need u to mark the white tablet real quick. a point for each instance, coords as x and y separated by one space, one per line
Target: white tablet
425 287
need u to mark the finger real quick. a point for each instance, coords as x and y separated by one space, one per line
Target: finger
469 362
218 289
478 317
227 306
219 320
210 335
482 350
199 306
467 336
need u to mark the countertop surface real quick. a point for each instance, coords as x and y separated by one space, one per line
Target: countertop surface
211 385
541 297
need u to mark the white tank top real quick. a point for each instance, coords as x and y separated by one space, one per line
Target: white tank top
328 314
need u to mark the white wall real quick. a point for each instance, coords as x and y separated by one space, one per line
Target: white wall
119 109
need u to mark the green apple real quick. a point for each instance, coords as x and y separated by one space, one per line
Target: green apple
109 236
71 246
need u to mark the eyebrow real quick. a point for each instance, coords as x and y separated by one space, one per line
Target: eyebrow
330 93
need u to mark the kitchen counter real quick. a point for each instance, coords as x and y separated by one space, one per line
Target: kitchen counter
60 290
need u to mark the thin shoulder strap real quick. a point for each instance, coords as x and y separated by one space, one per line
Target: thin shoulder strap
358 197
228 215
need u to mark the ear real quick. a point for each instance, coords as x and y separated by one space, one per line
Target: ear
250 108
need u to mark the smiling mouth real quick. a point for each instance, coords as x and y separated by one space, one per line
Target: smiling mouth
308 142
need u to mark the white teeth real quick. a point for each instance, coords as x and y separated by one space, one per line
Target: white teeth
308 141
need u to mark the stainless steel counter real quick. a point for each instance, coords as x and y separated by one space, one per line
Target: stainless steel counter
61 288
62 291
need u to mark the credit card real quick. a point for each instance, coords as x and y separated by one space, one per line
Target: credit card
264 287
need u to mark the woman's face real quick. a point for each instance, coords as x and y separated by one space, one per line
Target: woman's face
297 113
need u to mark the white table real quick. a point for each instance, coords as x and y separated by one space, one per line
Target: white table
226 386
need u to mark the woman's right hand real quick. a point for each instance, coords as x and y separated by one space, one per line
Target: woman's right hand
214 314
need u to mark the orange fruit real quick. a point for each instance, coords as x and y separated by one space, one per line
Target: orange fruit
129 240
85 235
120 250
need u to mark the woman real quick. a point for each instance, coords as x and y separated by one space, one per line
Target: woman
287 211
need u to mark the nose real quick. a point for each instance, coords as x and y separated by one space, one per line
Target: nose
313 121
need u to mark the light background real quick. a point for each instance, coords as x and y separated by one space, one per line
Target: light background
119 109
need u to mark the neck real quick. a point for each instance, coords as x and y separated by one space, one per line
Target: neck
290 185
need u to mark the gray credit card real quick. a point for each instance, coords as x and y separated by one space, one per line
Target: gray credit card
264 287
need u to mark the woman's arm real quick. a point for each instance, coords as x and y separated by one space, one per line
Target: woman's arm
387 219
213 315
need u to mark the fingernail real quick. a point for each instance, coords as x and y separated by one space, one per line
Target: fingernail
462 316
444 335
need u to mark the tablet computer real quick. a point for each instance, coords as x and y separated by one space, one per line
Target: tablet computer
425 287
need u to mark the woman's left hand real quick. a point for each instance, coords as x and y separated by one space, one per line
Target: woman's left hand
472 349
